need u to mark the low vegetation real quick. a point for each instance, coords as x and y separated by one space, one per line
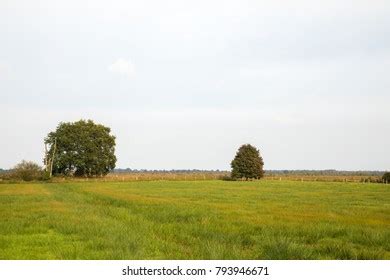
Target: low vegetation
195 220
23 171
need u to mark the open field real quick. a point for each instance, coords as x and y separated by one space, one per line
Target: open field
195 220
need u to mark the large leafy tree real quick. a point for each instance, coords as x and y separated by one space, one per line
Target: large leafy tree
81 148
247 164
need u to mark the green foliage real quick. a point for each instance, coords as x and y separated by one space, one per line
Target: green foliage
226 178
386 177
45 175
247 164
27 171
82 148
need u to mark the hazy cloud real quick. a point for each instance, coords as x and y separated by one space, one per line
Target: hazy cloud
123 67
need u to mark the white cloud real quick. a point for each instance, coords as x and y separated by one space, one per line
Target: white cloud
123 67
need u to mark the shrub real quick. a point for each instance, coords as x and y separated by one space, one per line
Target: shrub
5 175
27 171
226 178
386 177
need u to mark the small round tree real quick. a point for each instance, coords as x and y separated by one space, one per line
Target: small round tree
247 164
386 177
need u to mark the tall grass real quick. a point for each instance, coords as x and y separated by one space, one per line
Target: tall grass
195 220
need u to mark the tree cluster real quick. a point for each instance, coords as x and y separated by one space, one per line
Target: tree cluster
81 148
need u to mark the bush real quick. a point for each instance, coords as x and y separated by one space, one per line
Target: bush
386 177
226 178
27 171
5 175
247 164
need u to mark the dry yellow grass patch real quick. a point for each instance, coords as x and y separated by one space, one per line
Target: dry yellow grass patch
24 189
127 196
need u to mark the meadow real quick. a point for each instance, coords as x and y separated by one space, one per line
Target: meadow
267 219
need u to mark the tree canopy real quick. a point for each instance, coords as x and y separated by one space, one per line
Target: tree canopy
247 164
81 148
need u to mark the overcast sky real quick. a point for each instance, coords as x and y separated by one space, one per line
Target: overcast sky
183 84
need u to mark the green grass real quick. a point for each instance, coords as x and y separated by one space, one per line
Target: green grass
195 220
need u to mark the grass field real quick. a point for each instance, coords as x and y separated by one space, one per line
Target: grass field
195 220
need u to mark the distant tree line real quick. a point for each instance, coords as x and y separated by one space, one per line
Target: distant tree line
329 172
269 172
277 173
129 170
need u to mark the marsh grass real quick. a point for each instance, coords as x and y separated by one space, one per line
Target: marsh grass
195 220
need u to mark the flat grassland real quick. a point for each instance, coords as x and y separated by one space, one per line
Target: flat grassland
195 220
